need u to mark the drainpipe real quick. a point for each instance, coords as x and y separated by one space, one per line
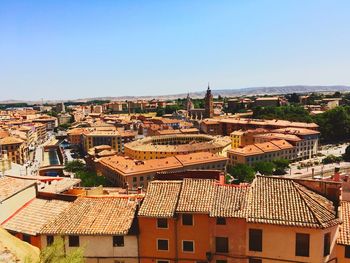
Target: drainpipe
176 223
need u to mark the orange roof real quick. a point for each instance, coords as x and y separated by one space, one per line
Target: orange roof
199 157
281 136
260 148
297 131
267 147
10 140
247 150
282 144
273 123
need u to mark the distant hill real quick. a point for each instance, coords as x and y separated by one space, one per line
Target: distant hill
222 92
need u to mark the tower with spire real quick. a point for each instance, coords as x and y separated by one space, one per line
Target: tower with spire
208 104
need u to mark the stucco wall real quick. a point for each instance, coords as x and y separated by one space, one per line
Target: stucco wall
102 246
279 243
11 205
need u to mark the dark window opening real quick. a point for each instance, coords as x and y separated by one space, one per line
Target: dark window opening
162 223
221 221
73 241
187 220
162 244
188 246
255 239
326 244
49 240
221 244
302 245
118 241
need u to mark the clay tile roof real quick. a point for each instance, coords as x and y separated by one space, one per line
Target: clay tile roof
32 218
197 196
94 216
284 202
10 186
344 231
161 199
229 201
10 140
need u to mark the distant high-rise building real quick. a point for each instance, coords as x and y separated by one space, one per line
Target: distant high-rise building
208 104
189 103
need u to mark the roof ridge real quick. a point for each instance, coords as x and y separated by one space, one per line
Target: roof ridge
302 194
249 198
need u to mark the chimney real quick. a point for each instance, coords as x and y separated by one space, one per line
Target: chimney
336 176
222 178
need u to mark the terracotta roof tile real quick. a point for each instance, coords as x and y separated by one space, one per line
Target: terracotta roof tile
230 201
197 195
284 202
11 185
344 231
32 218
94 216
161 199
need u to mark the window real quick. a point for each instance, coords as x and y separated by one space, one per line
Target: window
221 244
347 251
302 245
73 241
255 239
162 244
26 238
118 241
221 221
49 240
221 261
255 260
162 223
187 246
134 179
326 244
187 220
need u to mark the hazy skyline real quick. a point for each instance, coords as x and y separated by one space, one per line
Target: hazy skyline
79 49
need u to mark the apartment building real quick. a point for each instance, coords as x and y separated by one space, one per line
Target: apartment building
262 152
15 148
104 227
308 146
204 221
124 171
106 136
225 126
242 138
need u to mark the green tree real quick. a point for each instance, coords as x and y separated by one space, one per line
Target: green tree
331 159
293 98
242 172
170 109
346 155
265 168
160 111
56 254
334 124
281 166
74 166
90 179
290 113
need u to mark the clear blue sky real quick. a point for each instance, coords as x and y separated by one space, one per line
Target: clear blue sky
78 49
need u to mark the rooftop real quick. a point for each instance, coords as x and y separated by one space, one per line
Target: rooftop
31 218
10 186
344 231
94 216
269 200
